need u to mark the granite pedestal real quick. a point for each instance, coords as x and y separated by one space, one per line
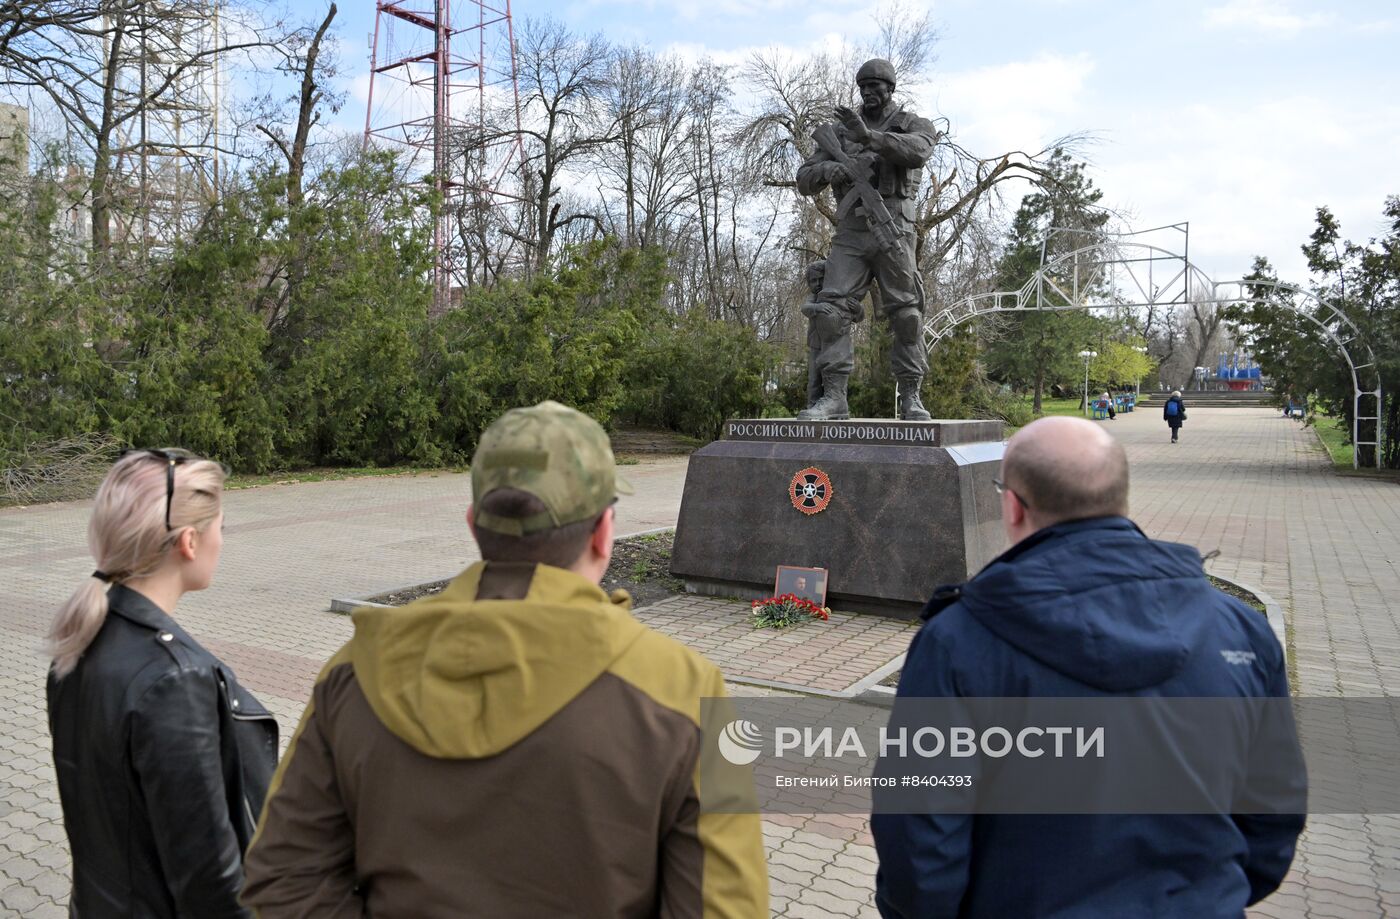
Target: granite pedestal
891 509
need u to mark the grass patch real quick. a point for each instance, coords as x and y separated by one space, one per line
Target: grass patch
1071 407
1060 407
325 474
639 443
241 480
1239 593
1336 439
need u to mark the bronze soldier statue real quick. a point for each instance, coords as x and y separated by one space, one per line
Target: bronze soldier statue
873 162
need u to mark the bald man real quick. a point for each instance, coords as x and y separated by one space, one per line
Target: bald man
1075 470
1083 604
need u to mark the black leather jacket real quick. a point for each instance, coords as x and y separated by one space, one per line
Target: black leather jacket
163 763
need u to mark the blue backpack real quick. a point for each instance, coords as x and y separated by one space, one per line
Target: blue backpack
1173 407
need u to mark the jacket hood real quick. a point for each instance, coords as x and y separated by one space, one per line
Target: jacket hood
1095 600
461 678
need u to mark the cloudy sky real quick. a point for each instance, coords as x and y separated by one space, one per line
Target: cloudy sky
1240 116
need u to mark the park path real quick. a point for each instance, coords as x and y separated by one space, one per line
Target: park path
1246 481
1262 490
287 550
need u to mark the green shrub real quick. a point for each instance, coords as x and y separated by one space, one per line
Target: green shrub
567 336
280 335
692 373
994 402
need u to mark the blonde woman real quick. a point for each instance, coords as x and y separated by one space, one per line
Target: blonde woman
163 760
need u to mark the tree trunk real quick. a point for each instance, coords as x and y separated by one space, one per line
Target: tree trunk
1206 327
306 114
101 203
102 146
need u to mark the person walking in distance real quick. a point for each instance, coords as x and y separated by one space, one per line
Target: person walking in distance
1174 413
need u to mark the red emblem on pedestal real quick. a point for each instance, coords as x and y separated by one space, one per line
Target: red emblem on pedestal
810 490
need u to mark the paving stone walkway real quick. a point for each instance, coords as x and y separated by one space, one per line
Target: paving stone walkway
287 551
1261 489
1245 481
838 656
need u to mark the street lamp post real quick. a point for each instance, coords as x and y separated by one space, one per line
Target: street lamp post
1088 356
1137 386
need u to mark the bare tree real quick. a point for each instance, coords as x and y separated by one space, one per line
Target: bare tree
646 107
1204 320
284 276
796 97
562 76
108 66
710 177
314 72
19 18
627 99
907 39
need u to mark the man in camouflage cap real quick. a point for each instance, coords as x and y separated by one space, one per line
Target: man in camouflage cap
886 146
557 455
520 711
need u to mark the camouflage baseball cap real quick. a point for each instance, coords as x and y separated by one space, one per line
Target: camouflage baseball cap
554 452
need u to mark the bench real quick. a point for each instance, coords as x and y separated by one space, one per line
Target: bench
1100 409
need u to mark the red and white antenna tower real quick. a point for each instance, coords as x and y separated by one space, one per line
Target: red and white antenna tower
438 68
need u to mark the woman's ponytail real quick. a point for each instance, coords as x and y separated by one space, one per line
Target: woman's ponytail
77 624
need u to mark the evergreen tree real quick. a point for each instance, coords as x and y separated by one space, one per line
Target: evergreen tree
1036 349
1363 281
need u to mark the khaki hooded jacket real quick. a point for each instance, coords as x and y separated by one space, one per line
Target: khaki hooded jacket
517 745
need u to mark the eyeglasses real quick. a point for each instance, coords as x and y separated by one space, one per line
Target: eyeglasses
1000 486
172 457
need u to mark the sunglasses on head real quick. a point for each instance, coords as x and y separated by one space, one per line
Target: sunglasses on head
172 457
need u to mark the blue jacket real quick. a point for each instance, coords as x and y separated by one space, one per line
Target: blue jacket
1086 608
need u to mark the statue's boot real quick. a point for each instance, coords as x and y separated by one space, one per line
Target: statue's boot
832 405
911 407
814 376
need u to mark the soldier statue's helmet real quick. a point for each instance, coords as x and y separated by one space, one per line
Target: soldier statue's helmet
877 68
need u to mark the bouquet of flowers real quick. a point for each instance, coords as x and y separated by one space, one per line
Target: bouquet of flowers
783 611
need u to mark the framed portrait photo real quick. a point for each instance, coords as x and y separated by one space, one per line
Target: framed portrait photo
807 583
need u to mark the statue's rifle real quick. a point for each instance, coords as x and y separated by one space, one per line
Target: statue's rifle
886 232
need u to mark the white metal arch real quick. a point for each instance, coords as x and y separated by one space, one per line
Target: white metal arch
1072 281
